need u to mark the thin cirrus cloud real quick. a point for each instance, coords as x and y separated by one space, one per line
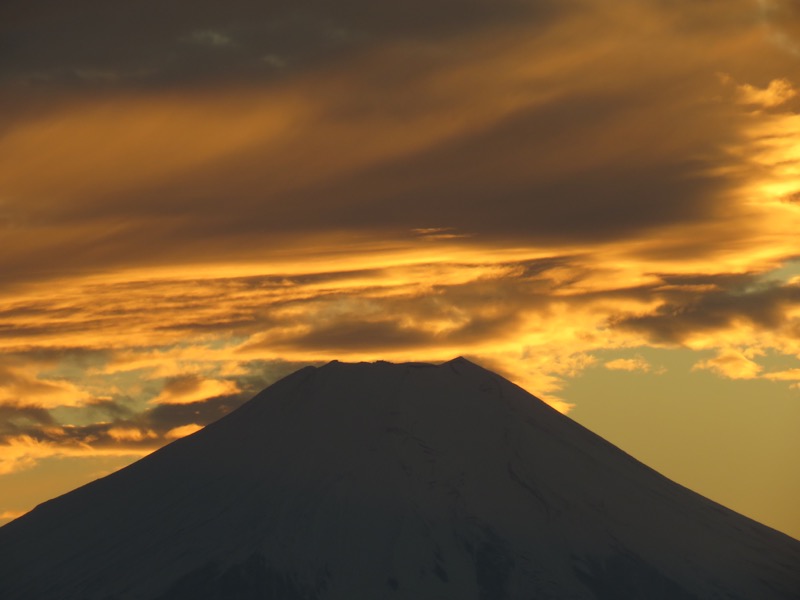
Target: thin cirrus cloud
195 202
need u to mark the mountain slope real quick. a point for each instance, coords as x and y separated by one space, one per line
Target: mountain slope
392 481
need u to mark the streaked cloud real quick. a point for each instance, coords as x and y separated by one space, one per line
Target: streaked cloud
188 389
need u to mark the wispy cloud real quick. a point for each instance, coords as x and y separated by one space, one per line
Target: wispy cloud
188 389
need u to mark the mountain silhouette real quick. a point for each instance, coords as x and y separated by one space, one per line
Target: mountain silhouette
380 480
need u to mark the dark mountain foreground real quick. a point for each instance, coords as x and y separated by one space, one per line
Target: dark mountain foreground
382 481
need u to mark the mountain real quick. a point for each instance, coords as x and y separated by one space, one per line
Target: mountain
384 481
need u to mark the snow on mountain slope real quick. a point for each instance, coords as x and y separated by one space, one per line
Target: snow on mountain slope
408 481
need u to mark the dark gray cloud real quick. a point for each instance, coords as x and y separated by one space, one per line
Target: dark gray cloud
96 44
355 334
147 429
16 420
164 417
552 131
500 184
470 313
685 313
80 356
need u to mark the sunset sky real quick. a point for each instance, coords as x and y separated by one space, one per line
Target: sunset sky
598 200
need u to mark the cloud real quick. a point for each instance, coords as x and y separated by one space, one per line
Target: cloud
787 375
539 320
469 138
782 21
154 36
438 233
779 91
10 415
251 189
22 452
182 431
189 389
27 437
19 386
520 160
273 60
628 364
125 434
731 363
693 317
209 38
166 417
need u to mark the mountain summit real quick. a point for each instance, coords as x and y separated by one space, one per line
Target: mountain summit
383 481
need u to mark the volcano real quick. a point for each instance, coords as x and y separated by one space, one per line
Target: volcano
378 480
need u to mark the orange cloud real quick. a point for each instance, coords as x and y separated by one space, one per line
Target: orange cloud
22 452
22 386
731 363
190 388
129 434
203 175
787 375
628 364
80 152
183 431
779 91
496 193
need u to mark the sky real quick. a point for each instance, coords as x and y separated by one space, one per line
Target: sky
598 200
